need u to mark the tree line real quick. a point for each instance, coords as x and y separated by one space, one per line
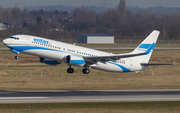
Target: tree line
59 24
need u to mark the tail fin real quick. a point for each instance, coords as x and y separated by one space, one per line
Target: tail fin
149 42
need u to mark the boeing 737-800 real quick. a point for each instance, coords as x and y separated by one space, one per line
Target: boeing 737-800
54 52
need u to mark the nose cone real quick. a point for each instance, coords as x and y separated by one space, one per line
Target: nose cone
5 41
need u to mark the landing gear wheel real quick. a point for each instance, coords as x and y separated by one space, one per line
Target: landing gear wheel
70 70
16 57
85 71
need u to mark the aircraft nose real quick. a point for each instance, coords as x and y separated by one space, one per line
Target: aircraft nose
5 41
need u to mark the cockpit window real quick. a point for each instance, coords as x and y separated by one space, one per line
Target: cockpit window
15 38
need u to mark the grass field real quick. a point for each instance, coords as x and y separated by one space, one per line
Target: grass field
145 107
27 73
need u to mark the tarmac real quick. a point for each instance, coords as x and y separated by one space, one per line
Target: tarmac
76 96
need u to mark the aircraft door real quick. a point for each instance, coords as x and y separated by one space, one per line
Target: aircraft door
131 64
27 41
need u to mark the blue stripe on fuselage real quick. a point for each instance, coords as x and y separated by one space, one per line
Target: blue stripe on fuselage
122 67
24 48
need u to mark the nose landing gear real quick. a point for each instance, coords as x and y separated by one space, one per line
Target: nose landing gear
17 52
17 57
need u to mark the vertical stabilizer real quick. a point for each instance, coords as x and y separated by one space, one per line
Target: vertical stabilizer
149 42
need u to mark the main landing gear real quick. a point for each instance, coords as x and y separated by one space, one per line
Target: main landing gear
70 70
84 71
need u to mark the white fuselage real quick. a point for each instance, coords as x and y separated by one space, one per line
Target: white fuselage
55 50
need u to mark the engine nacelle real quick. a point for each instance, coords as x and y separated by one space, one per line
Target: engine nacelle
48 61
75 60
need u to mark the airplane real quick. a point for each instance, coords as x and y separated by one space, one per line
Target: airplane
53 52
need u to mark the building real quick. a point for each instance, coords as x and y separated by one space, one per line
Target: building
95 39
2 27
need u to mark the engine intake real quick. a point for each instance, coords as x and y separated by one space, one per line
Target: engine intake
48 61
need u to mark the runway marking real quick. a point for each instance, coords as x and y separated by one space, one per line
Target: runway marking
14 98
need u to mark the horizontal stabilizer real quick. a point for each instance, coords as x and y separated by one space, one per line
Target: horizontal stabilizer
154 64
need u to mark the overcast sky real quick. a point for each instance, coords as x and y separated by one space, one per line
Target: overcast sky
110 3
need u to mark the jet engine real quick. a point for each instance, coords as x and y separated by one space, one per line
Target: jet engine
48 61
75 60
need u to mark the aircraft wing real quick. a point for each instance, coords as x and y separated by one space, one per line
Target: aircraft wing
110 58
117 57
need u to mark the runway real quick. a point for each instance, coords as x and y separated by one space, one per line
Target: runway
66 96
